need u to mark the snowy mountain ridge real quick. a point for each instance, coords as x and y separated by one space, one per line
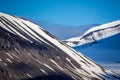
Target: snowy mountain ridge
30 52
96 33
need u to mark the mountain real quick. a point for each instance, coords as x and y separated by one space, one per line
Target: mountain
65 32
102 44
106 50
28 52
95 34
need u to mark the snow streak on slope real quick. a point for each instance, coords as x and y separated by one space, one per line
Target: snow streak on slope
96 33
48 52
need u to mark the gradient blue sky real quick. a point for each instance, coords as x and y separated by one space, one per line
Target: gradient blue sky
64 12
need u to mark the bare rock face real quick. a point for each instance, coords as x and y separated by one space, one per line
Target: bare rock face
28 52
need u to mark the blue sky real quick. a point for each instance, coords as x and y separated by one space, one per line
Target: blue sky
64 12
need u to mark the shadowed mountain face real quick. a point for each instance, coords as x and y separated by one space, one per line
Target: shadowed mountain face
28 52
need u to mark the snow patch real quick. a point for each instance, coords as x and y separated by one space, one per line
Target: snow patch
0 60
44 71
9 55
48 67
56 64
28 75
9 60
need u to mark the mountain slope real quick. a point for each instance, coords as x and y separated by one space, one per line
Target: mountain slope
27 51
96 33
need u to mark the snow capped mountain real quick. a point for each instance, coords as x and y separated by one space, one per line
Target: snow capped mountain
96 33
27 51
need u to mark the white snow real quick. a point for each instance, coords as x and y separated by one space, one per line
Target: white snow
15 56
9 55
15 32
19 20
107 32
9 60
29 75
35 28
5 64
49 67
58 57
56 64
111 24
43 71
0 60
115 67
68 59
68 50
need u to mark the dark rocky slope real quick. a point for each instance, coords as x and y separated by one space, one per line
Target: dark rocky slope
28 52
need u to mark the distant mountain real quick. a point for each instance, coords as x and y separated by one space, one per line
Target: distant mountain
64 32
28 52
95 34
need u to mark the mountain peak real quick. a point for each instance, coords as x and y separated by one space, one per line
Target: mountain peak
103 26
96 33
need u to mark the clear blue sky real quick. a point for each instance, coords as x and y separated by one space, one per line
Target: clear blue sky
64 12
